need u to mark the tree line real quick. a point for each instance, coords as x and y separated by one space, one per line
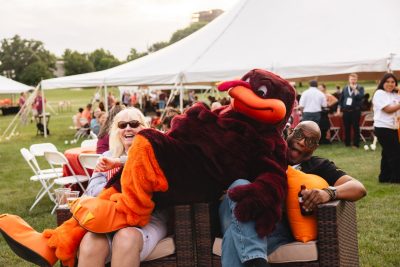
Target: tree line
28 61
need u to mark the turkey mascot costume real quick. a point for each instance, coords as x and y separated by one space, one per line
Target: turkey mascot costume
202 154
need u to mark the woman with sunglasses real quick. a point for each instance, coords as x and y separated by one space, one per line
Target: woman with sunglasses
127 246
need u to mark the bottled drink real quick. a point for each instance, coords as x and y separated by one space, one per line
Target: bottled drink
303 211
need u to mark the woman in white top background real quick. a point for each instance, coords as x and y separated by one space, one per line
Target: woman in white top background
127 246
386 102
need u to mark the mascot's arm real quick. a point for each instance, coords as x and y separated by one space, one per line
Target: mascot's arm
262 200
141 177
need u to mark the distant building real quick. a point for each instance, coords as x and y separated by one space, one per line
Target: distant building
59 71
206 16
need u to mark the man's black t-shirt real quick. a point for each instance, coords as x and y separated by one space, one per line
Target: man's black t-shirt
322 167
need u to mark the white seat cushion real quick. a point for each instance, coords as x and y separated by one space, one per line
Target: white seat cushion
292 252
163 248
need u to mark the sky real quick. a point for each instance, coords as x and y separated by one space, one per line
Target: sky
114 25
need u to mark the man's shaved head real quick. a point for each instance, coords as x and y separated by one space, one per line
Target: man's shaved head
311 128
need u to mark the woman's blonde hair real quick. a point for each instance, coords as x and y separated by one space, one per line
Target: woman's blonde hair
116 146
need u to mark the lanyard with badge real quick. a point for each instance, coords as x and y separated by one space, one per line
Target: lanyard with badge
349 100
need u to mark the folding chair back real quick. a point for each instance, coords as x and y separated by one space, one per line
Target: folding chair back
39 149
334 130
89 143
88 161
367 126
57 158
43 178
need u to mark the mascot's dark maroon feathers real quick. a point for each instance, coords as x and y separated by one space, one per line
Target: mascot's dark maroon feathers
206 151
196 161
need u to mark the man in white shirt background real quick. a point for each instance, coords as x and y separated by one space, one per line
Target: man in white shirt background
312 101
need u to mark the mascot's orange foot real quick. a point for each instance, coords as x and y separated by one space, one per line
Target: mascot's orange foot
25 241
99 215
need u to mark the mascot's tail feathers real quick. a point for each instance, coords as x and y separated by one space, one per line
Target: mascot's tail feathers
25 241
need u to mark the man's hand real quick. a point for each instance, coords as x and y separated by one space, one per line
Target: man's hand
106 163
313 197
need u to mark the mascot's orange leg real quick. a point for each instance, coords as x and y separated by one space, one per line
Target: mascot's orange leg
141 177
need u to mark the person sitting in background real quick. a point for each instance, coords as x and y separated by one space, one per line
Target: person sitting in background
101 106
366 103
338 95
127 246
94 123
77 119
241 244
87 115
103 136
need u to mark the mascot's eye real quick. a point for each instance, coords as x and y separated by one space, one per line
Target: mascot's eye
262 91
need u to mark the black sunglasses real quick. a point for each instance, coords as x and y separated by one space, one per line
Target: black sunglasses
133 124
310 142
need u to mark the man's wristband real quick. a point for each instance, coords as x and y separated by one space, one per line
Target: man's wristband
331 192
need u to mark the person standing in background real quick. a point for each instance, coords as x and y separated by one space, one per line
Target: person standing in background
324 123
38 102
350 104
110 100
386 102
312 101
21 100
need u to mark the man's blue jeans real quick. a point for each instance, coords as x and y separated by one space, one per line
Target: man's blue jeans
241 242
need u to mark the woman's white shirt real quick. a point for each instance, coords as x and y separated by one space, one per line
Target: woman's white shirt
381 100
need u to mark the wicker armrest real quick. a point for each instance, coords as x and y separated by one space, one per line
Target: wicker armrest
184 236
337 234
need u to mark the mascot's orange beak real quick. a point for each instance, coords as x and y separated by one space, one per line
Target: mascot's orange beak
245 101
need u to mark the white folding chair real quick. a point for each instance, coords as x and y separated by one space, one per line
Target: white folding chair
57 158
334 130
367 126
88 161
89 143
38 151
45 179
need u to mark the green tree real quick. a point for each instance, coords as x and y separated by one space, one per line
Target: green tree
182 33
17 54
102 59
35 72
157 46
76 63
134 54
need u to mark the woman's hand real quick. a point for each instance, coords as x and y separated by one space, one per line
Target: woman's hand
106 163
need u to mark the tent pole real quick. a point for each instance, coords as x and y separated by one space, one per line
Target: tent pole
389 63
106 98
43 111
181 96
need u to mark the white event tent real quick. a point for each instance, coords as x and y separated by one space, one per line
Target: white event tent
293 38
8 86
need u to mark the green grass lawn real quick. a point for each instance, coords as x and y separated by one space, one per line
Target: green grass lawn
378 214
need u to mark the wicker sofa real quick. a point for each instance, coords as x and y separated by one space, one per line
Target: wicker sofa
196 242
336 245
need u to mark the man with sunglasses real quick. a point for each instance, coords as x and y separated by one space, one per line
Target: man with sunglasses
241 245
